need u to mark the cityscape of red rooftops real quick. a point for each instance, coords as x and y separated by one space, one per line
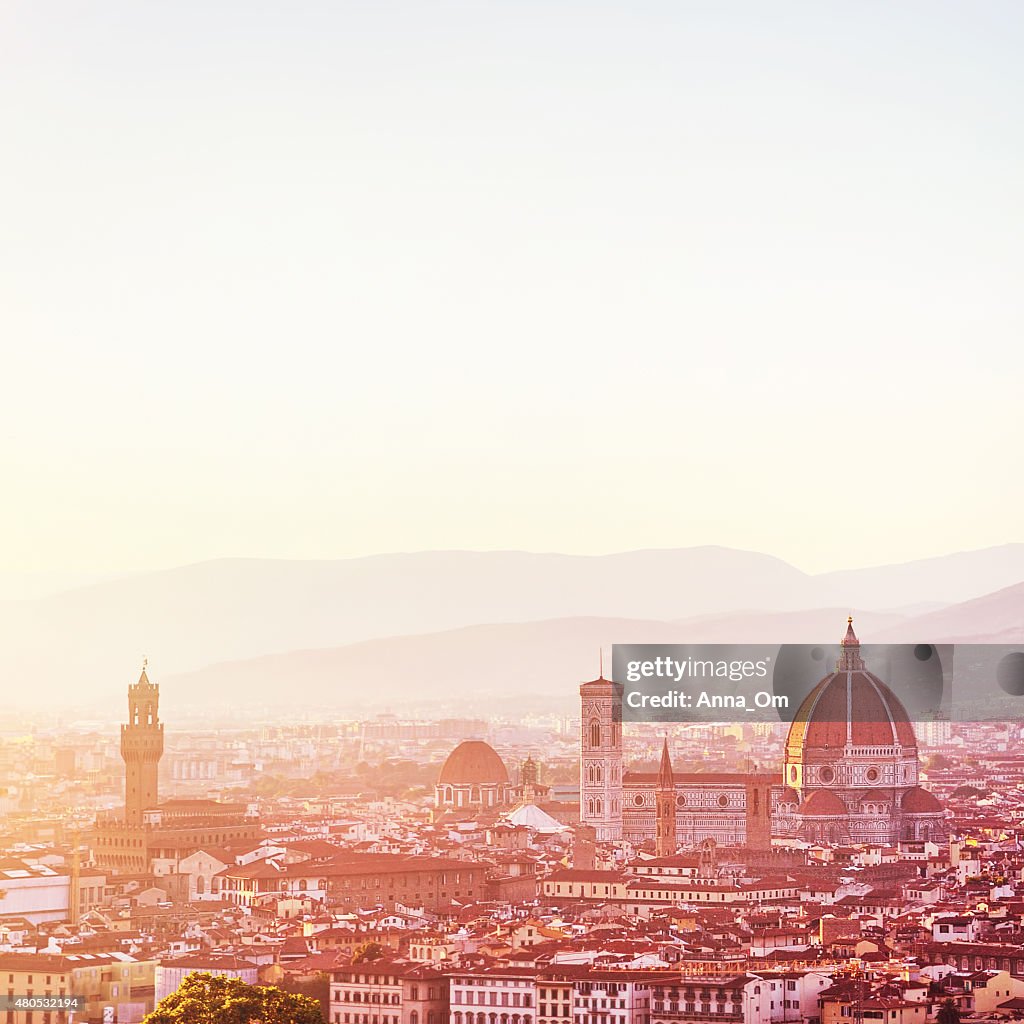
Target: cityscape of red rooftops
538 867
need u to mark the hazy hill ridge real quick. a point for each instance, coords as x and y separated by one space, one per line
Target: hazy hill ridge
86 642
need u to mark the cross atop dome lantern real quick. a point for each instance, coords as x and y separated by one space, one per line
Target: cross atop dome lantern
850 660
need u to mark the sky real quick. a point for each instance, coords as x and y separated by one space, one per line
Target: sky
318 280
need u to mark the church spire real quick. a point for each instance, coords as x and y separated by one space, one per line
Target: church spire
850 660
665 838
666 780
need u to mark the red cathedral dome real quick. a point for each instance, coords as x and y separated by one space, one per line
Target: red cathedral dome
920 801
823 803
851 705
473 763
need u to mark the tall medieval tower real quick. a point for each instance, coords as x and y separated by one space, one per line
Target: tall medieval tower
665 841
601 757
142 745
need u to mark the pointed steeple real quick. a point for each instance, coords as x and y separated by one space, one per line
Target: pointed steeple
666 780
850 660
665 837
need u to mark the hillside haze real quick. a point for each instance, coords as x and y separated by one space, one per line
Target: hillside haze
85 643
541 661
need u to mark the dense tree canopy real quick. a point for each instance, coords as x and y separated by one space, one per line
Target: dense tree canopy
367 951
208 999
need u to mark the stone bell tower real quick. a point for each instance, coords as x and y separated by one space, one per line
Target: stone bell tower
601 757
142 746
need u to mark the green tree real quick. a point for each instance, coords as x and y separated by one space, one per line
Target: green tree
208 999
948 1013
318 988
367 951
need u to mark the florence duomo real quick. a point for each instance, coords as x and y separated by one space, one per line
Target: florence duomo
850 775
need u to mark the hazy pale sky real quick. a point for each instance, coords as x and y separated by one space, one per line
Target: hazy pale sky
319 280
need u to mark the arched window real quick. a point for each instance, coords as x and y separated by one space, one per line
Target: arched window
595 733
598 773
414 1017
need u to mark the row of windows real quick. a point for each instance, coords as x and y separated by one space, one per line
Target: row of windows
689 1004
490 982
491 1018
719 1009
980 963
475 794
375 882
697 800
492 998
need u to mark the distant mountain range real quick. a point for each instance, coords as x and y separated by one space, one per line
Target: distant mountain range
410 625
480 664
996 618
